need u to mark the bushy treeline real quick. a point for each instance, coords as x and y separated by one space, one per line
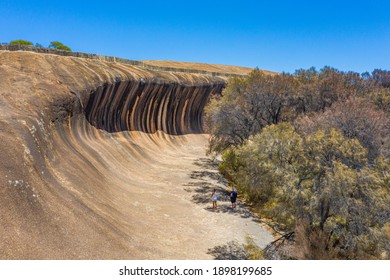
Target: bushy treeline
53 45
311 151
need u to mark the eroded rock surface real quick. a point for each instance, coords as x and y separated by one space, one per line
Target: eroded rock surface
96 158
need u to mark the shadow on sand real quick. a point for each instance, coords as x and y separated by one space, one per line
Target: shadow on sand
229 251
205 180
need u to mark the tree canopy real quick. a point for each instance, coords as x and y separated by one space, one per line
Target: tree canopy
319 185
21 42
59 46
311 150
53 45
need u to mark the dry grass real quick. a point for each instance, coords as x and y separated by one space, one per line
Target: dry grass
220 68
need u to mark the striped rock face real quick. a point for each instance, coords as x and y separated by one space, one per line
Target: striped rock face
150 106
97 159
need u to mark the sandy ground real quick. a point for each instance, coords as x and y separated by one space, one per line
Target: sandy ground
178 197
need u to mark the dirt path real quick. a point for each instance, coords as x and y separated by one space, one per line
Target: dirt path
191 229
229 228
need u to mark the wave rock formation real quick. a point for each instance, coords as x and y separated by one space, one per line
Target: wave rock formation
92 154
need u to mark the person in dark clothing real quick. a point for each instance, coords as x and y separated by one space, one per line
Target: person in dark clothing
233 197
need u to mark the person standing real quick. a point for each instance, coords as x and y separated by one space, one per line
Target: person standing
214 198
233 197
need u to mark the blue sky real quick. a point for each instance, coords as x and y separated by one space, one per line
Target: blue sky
272 35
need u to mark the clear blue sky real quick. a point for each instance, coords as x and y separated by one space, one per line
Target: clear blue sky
272 35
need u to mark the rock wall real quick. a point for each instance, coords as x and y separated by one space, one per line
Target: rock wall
149 107
80 141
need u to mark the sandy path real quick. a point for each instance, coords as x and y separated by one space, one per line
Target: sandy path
177 196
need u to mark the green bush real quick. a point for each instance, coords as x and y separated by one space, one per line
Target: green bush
319 185
21 42
59 46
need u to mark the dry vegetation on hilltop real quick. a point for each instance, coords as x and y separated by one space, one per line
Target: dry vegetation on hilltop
220 68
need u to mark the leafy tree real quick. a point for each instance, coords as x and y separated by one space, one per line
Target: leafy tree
325 181
225 119
230 165
249 104
382 77
59 46
356 118
319 90
381 99
320 186
246 106
21 42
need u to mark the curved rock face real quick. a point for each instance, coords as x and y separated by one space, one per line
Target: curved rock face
97 160
149 107
89 151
